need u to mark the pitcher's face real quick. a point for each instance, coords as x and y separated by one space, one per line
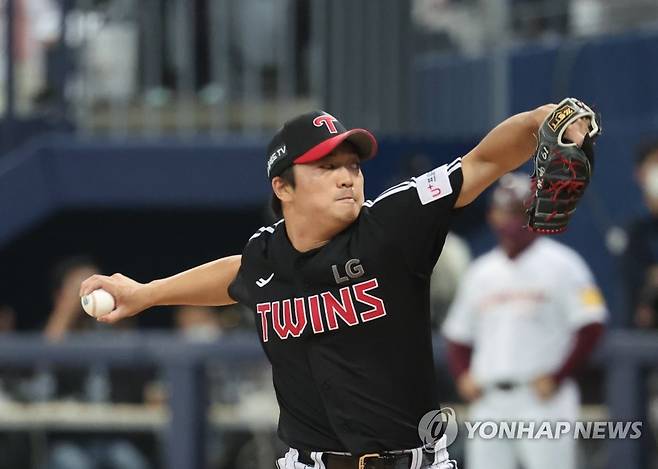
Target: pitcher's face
331 188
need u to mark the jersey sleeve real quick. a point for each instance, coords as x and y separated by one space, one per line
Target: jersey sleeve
238 288
583 301
241 288
459 325
417 214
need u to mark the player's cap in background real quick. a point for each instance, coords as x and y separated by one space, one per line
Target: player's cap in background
512 191
313 136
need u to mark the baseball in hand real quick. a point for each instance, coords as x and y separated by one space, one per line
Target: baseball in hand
98 303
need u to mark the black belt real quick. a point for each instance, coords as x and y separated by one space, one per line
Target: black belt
506 385
366 461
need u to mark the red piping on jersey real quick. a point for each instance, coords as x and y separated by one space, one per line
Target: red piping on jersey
322 149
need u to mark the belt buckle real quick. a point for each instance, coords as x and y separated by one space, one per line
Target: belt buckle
362 459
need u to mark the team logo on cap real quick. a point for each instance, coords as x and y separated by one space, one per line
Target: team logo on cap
328 120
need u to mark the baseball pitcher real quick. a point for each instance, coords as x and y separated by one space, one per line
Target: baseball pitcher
339 286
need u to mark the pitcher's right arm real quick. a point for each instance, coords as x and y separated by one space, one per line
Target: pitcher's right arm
205 285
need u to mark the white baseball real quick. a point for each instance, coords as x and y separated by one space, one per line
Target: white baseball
98 303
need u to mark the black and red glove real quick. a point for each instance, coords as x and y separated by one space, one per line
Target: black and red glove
562 168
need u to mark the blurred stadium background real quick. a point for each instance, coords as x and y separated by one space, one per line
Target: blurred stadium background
132 140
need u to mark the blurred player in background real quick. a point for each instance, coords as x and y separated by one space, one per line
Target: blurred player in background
526 316
640 259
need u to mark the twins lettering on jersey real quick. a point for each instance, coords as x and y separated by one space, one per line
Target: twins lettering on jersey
290 317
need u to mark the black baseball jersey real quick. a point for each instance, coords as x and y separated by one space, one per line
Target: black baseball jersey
347 326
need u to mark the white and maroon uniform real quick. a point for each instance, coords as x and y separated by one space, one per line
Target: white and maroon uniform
521 316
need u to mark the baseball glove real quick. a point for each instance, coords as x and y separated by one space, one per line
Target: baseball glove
562 169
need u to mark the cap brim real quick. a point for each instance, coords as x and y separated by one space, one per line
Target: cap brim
364 141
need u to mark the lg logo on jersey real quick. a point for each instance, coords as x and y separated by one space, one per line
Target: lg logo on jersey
353 269
291 321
